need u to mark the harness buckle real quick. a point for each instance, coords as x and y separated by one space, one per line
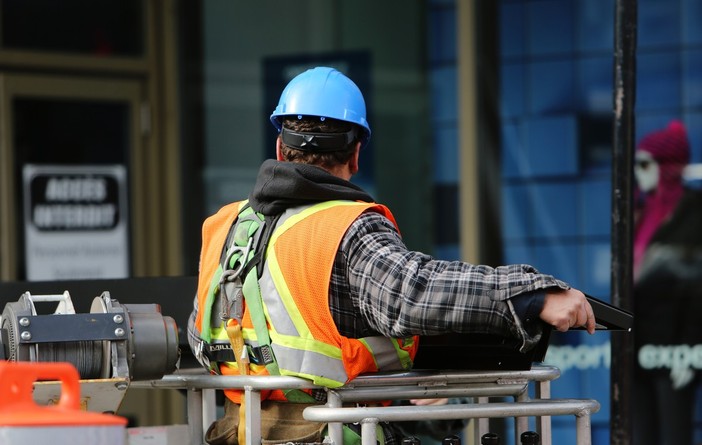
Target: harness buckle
200 354
232 303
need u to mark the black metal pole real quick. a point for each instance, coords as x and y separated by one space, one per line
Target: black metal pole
622 363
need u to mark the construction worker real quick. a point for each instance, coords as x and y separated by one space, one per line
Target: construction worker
309 277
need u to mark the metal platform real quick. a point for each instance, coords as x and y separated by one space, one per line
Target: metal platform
480 385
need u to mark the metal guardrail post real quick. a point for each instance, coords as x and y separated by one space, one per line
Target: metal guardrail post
368 431
194 413
209 410
252 399
521 424
483 423
335 428
583 428
542 390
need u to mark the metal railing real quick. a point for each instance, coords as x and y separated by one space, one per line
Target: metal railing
479 385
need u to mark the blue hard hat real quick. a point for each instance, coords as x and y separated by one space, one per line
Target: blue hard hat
326 93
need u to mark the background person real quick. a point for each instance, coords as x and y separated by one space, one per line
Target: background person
667 290
661 157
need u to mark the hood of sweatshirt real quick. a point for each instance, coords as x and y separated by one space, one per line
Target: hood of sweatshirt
281 185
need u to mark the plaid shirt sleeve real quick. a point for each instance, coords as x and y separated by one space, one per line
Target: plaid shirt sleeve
399 292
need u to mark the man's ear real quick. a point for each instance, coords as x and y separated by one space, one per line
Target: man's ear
353 162
279 148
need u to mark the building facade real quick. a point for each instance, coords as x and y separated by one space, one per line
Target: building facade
495 115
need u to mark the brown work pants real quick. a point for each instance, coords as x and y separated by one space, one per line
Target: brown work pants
280 423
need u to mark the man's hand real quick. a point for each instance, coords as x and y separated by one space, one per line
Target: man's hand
565 309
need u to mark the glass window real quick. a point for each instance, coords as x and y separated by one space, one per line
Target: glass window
97 27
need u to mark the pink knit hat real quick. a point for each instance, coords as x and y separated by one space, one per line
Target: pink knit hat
669 145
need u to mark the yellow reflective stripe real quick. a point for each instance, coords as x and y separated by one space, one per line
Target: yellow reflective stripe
303 344
387 353
274 304
284 293
294 219
365 343
218 333
309 363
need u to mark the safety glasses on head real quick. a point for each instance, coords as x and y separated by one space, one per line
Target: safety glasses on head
317 142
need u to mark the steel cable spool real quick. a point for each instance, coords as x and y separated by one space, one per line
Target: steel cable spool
113 340
86 356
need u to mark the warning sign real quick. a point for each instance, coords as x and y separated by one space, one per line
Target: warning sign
75 222
73 202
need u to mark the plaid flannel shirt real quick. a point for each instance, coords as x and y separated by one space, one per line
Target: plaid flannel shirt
379 287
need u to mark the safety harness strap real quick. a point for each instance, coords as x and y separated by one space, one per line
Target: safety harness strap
247 268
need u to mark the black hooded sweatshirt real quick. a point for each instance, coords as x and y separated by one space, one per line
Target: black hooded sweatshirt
281 185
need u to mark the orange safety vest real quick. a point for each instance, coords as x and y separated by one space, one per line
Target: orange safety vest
295 294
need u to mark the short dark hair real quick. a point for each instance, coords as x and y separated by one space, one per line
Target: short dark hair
316 125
